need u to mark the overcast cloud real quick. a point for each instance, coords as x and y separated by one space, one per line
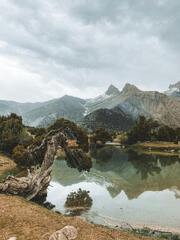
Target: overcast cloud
49 48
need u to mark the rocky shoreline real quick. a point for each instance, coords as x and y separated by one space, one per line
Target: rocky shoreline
148 231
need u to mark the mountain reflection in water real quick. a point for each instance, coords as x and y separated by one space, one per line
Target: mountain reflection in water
125 186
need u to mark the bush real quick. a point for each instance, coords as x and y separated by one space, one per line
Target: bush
101 135
20 156
11 128
142 131
80 199
168 134
36 131
25 138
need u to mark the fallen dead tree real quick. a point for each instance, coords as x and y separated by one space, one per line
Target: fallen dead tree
35 184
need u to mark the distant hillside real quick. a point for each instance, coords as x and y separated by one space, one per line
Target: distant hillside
68 107
7 107
109 119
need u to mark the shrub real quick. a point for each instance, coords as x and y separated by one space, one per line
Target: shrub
80 199
20 155
11 128
143 130
101 135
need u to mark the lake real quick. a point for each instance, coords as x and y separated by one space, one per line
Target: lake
126 187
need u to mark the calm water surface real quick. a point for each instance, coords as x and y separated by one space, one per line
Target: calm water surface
125 187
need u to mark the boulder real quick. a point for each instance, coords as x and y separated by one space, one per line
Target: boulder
66 233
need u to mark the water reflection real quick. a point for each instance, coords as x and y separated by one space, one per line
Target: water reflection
125 186
150 165
135 173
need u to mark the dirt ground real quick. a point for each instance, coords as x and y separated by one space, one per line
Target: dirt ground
27 220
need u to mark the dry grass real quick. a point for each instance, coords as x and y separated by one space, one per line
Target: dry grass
29 221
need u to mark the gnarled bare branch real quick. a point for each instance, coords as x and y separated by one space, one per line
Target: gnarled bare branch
37 181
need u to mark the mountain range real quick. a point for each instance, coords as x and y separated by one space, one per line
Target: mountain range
114 109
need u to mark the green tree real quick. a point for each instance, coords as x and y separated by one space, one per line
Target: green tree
20 156
36 132
143 130
73 131
11 128
168 134
102 135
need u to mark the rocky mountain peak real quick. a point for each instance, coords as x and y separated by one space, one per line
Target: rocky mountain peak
176 85
112 90
129 88
174 90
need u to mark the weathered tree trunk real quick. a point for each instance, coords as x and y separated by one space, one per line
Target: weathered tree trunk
37 181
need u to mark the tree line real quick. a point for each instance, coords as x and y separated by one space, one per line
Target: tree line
150 130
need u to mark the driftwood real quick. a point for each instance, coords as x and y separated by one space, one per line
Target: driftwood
36 183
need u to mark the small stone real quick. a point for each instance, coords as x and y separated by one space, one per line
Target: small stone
58 235
12 238
49 205
66 233
70 232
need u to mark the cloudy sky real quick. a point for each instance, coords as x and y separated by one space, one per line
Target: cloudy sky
49 48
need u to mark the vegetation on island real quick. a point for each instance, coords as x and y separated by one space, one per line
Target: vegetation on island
79 199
